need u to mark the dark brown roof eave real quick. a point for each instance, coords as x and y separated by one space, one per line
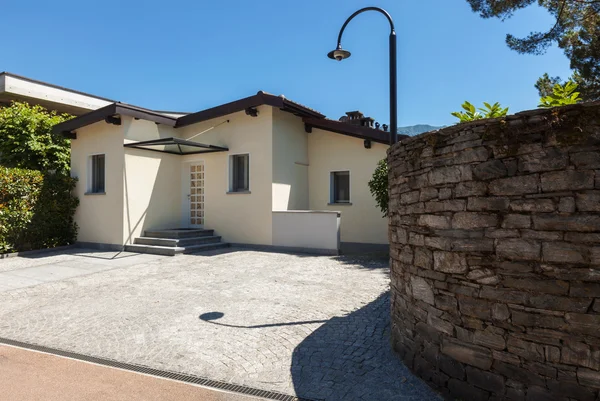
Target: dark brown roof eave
356 131
259 99
109 111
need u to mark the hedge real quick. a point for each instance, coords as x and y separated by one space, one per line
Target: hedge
36 210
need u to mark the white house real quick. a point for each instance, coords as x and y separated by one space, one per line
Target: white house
261 171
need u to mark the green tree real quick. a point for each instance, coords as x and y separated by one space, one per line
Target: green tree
545 84
27 140
576 30
470 113
379 186
562 95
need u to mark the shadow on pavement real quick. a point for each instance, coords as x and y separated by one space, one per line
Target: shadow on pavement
350 358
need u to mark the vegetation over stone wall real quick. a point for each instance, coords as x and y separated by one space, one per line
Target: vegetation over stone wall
495 255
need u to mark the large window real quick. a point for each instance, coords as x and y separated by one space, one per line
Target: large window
96 175
239 172
340 187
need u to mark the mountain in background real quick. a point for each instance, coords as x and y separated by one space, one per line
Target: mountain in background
416 129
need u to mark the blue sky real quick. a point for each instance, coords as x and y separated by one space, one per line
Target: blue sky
196 54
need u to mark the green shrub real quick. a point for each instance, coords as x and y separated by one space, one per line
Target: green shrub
36 210
379 186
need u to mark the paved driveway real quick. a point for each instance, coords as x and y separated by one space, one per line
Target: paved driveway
312 326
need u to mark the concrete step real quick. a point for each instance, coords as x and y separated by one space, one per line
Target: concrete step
178 233
172 251
178 242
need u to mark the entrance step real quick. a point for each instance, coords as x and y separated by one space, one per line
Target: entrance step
176 241
179 233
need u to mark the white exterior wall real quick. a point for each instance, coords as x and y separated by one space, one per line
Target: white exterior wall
151 181
99 217
361 221
307 230
290 162
238 218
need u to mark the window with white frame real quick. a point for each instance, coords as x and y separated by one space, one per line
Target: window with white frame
340 187
96 167
239 173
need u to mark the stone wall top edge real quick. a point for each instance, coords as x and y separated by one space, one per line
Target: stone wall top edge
479 124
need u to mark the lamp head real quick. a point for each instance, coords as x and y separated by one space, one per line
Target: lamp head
338 54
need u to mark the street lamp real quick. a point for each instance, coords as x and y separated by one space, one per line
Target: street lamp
339 54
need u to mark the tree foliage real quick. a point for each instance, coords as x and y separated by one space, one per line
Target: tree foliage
562 95
379 186
545 84
471 113
27 139
576 31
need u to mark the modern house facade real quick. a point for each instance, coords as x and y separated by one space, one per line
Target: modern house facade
261 170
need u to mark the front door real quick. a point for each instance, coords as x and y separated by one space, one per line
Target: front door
196 195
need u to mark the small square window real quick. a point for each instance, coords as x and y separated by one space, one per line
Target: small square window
340 187
96 184
239 173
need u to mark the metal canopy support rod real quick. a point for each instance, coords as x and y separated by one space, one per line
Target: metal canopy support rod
339 54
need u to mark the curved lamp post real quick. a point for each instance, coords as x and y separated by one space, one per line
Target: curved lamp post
339 54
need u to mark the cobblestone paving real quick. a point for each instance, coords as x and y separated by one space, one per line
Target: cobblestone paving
312 326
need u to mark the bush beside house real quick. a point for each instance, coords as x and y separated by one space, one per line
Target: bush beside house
36 205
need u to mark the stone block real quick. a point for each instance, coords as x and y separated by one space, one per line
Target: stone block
451 367
446 302
422 290
463 391
504 295
470 188
569 180
473 245
489 339
564 252
423 258
500 312
468 221
588 377
557 222
428 194
570 390
409 197
591 238
478 154
537 393
455 205
487 204
525 349
501 233
520 185
490 170
405 255
416 239
445 193
470 354
588 202
440 325
535 284
516 221
586 160
566 205
566 304
445 175
521 318
548 160
518 249
474 307
584 289
434 221
582 323
531 205
580 354
542 235
517 373
449 262
485 380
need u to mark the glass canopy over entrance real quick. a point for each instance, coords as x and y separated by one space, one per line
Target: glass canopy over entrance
175 146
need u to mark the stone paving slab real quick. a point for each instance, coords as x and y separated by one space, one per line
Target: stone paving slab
313 326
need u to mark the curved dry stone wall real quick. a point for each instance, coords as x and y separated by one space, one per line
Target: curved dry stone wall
495 255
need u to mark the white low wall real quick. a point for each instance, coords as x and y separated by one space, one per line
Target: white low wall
307 229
